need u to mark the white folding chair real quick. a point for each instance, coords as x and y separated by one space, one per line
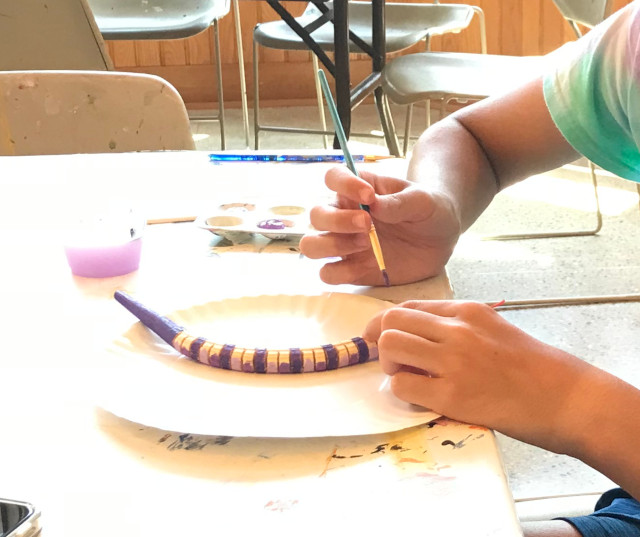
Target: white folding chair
406 24
64 112
445 77
174 19
50 35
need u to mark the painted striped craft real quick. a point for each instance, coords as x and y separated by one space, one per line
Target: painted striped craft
251 360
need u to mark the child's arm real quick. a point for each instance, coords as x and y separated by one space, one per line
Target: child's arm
463 360
456 169
485 147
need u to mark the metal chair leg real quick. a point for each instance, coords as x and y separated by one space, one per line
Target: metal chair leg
578 233
407 129
408 121
483 29
257 127
256 102
216 37
383 108
243 79
386 121
319 97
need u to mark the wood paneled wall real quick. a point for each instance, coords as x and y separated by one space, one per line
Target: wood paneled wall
516 27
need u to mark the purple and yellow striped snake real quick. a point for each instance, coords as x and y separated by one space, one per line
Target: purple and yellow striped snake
258 360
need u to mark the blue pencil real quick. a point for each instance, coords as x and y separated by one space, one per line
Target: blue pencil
261 157
349 160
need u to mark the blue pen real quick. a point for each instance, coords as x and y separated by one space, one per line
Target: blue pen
261 157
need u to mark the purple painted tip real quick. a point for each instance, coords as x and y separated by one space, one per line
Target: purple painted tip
163 326
385 276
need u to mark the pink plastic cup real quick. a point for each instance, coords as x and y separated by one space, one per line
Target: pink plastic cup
104 261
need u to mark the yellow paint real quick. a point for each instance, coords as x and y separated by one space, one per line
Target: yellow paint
352 348
177 341
272 361
284 358
236 358
186 345
343 355
308 356
215 350
203 355
247 357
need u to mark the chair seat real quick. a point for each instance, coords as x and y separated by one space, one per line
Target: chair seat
406 25
440 75
156 19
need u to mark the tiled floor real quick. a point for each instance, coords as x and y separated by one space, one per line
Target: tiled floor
608 263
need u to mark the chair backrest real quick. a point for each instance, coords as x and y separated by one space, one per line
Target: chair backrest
406 23
63 112
585 12
159 19
60 34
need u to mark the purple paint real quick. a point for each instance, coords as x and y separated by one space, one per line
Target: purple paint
295 360
247 365
194 351
260 361
225 356
271 223
214 358
354 357
162 326
321 365
332 356
284 367
298 361
363 349
309 365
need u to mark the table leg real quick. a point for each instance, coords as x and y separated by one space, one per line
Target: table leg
342 74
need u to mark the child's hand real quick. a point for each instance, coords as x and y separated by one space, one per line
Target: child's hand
463 360
417 230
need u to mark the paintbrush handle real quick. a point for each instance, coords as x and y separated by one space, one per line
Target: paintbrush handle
348 158
342 138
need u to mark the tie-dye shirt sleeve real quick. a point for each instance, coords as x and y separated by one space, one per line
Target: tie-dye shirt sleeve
593 93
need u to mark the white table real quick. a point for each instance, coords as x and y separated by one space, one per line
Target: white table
91 472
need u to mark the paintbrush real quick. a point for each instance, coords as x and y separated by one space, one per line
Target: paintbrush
348 158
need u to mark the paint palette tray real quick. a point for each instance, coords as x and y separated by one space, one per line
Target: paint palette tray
239 220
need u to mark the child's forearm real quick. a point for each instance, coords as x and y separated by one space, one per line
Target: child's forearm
448 159
603 428
487 146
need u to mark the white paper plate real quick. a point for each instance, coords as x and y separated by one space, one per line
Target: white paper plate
147 382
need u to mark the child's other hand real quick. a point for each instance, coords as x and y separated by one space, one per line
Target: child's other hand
463 360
